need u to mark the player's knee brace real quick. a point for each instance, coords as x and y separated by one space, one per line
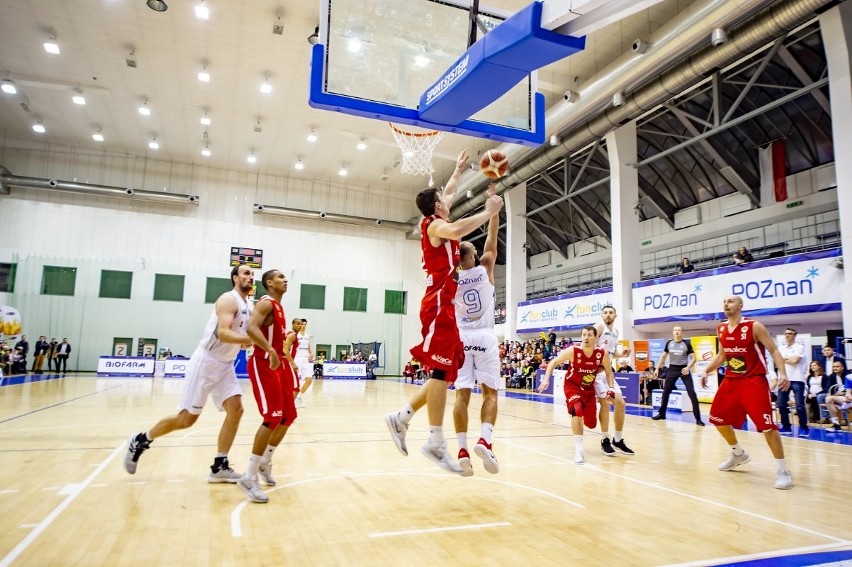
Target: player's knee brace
439 374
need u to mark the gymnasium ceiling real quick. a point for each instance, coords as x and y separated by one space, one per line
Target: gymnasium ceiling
237 47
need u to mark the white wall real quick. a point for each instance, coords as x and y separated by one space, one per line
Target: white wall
94 233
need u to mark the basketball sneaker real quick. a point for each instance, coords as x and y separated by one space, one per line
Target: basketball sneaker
265 472
784 480
606 447
734 461
623 448
489 460
397 430
835 427
252 489
223 472
299 402
785 429
440 456
136 445
464 463
579 457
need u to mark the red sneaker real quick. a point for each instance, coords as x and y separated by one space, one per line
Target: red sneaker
464 463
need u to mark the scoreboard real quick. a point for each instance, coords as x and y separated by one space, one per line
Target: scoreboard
252 257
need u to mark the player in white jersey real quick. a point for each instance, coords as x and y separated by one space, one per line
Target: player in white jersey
305 361
475 317
210 371
608 340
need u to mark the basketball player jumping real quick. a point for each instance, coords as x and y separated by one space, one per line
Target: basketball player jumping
210 371
745 390
270 383
610 393
475 316
441 347
580 383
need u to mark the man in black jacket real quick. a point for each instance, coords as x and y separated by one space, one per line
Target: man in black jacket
40 350
63 350
25 349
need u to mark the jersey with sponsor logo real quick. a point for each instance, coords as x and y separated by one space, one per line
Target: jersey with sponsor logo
303 353
210 340
274 333
584 368
475 299
440 265
744 354
608 339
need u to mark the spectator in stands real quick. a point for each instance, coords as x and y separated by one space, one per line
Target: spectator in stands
842 401
742 256
686 266
18 361
624 365
5 364
829 357
835 380
648 383
528 373
815 384
408 373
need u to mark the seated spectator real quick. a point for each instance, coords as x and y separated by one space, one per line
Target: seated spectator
408 373
624 366
648 383
829 357
686 266
742 256
528 372
842 401
835 380
18 361
814 384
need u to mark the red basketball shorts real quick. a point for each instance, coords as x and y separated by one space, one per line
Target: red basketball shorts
581 403
741 397
271 393
441 346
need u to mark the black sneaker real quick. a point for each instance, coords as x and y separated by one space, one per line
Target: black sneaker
622 446
606 447
699 422
658 417
835 426
136 445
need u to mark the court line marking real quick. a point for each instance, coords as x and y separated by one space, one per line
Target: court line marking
96 392
237 531
435 530
45 523
690 496
765 555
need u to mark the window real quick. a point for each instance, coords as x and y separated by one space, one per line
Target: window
58 280
216 287
312 296
395 301
116 284
354 299
168 287
7 277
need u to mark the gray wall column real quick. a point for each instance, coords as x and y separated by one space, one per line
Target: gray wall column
515 201
836 28
624 194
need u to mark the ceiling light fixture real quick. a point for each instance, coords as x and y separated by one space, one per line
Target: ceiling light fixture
205 152
203 75
157 5
312 137
265 86
313 39
8 87
354 45
251 158
201 11
299 165
144 110
343 172
51 46
97 136
153 144
78 98
38 127
362 144
205 120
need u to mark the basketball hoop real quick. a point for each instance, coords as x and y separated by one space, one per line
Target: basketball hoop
417 151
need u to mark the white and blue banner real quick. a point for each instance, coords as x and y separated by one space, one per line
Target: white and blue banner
563 312
354 370
125 366
175 367
801 283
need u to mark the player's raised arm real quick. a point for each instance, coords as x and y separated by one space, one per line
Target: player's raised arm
462 227
453 183
489 251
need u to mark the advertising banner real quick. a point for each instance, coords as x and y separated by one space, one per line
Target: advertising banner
356 371
125 366
801 283
705 350
655 349
563 312
175 367
10 324
641 356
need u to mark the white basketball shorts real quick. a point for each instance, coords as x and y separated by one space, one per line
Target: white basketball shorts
207 376
481 359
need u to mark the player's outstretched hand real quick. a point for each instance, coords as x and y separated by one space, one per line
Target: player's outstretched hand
543 386
703 378
461 161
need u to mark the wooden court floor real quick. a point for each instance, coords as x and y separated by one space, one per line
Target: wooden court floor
345 496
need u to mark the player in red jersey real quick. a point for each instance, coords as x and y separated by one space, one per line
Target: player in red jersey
441 349
745 390
585 363
270 382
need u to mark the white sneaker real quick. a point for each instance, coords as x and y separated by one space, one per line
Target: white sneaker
464 463
489 460
299 402
224 474
784 480
734 461
397 430
579 457
440 456
252 489
265 472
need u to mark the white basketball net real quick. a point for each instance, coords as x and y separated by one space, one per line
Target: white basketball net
417 151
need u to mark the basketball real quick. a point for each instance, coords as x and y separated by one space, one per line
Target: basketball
494 164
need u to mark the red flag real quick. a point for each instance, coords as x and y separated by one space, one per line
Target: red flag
779 169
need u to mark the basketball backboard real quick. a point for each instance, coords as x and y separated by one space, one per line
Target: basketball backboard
376 58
